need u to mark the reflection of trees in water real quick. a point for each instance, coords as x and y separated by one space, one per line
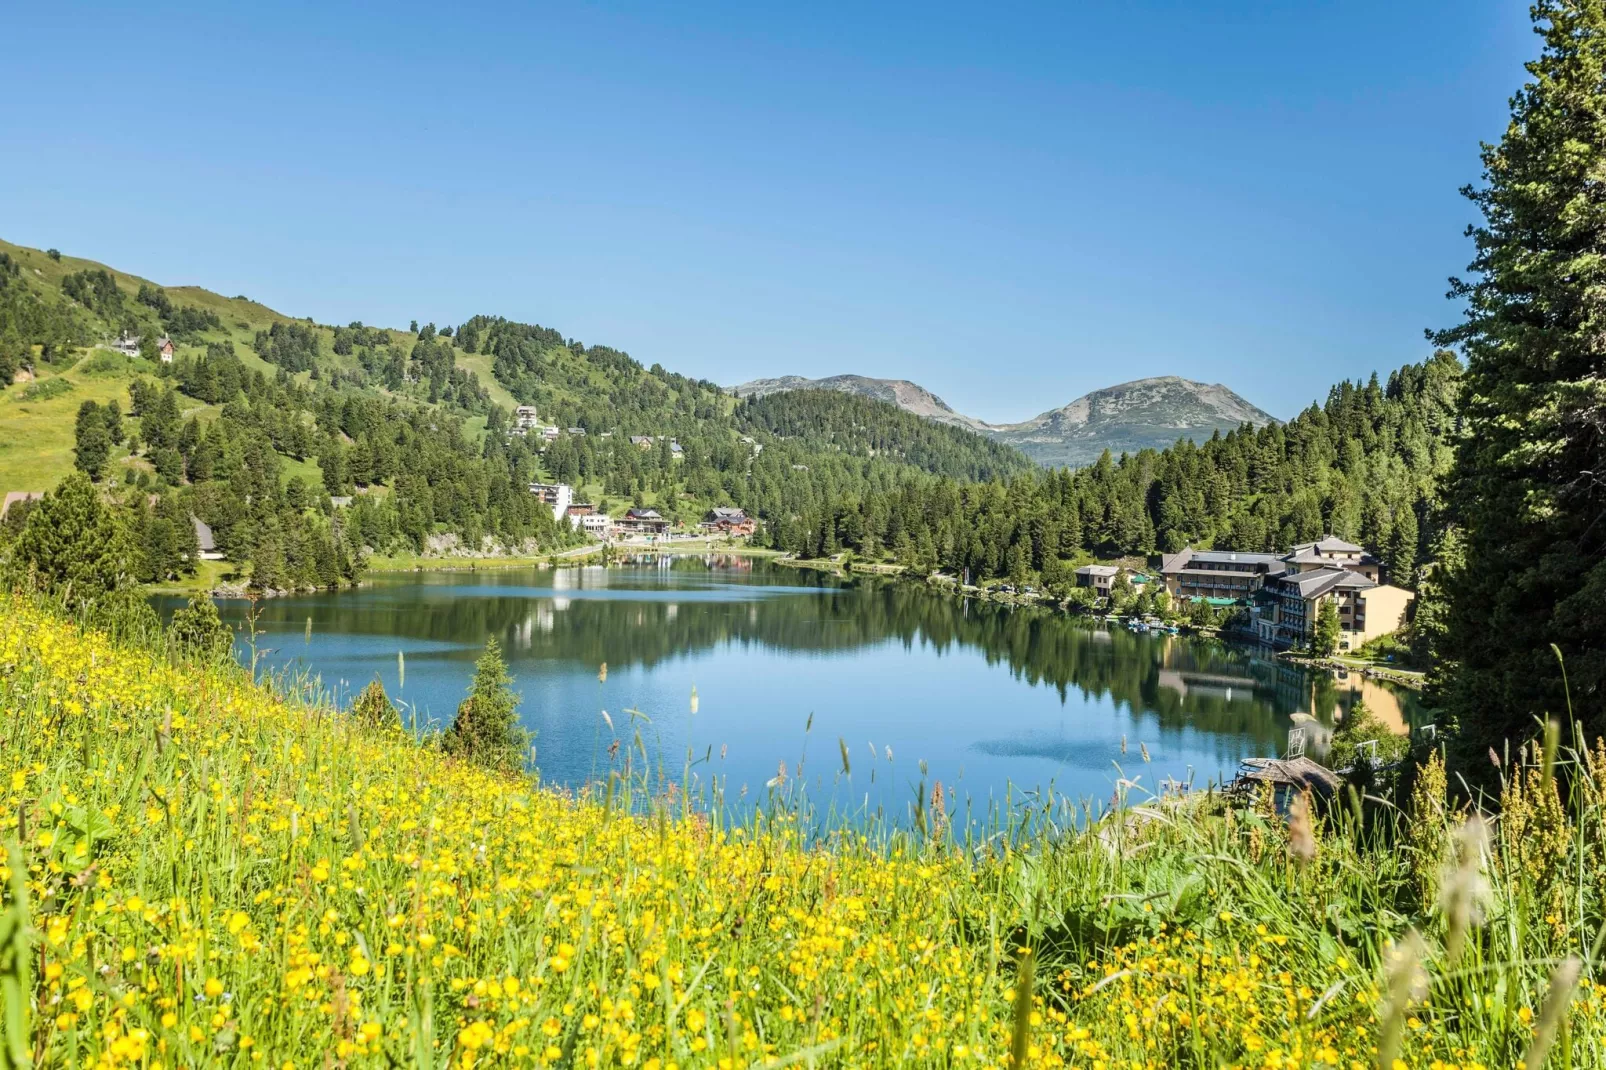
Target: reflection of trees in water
1182 683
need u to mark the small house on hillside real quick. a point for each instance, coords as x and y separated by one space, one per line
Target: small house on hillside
642 522
728 520
204 540
13 497
127 344
1098 577
165 349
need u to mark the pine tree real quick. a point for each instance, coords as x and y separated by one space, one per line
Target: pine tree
1528 487
1324 641
198 632
73 545
486 730
92 446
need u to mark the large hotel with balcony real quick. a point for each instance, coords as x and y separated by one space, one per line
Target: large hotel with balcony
1285 592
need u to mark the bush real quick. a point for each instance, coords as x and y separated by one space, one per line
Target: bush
373 707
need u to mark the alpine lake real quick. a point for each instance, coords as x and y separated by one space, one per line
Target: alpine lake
733 679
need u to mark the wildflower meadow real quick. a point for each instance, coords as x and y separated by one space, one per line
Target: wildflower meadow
205 871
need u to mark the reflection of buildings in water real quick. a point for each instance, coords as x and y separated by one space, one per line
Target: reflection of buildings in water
1216 685
671 611
1328 700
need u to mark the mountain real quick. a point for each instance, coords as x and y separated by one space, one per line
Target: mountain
1129 417
910 397
1143 413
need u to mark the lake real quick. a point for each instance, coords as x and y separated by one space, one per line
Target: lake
992 699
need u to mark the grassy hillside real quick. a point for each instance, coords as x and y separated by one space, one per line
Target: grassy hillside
214 874
36 418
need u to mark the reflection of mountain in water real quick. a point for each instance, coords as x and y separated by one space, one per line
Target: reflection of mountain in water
642 616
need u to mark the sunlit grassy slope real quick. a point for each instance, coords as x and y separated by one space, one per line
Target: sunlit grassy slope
36 429
218 876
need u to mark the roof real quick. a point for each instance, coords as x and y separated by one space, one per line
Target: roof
643 514
1301 772
14 496
1320 581
1328 544
203 536
727 512
1190 558
1097 570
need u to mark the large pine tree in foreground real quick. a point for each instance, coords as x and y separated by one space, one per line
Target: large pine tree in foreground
1529 490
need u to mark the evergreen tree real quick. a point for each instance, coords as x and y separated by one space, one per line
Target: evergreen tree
73 545
486 730
1324 641
92 446
374 709
198 632
1528 486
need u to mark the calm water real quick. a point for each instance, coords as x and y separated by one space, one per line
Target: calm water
989 698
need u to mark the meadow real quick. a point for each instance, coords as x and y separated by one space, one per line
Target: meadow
202 870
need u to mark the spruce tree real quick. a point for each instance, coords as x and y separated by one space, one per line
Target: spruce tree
486 730
1529 487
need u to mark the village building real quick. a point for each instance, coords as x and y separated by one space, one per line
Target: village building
165 349
204 541
127 344
641 442
594 524
16 497
1098 577
558 495
525 417
1231 574
641 522
728 520
1285 592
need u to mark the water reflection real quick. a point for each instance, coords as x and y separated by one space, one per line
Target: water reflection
988 695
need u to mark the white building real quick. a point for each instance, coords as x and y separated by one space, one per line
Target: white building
593 524
558 495
525 417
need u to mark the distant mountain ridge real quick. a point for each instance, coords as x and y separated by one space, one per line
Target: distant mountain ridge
1127 417
911 397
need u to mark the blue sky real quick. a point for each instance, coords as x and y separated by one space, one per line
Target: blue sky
1010 204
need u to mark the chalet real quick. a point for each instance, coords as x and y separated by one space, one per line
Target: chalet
642 522
19 497
728 520
577 432
127 344
558 495
641 442
525 417
581 509
1099 577
675 452
204 541
165 349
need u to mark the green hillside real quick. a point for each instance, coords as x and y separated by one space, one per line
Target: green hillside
260 422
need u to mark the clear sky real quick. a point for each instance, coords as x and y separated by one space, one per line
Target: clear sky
1009 204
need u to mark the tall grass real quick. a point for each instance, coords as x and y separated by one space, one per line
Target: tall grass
208 872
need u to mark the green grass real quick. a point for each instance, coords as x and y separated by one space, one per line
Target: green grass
213 871
36 433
